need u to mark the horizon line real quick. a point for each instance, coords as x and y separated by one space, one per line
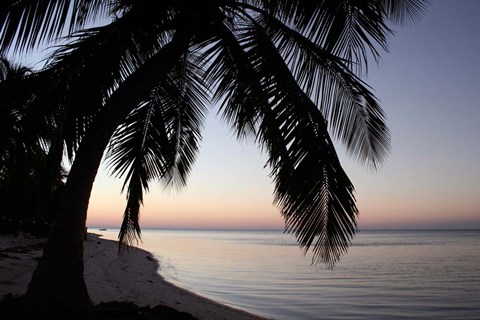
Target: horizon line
283 230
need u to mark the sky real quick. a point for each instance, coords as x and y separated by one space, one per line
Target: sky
428 85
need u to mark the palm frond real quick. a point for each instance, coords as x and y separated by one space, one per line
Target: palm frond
26 24
352 111
96 61
311 187
355 30
298 13
403 11
236 95
158 140
185 89
134 148
349 29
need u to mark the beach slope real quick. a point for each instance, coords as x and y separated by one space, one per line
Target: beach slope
130 276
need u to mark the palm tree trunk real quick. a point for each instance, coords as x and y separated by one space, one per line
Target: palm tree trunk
58 283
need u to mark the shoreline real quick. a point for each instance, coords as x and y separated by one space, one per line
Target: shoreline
129 276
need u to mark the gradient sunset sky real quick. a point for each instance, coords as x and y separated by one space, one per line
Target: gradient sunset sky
429 87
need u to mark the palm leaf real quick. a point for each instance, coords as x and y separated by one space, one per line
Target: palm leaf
348 29
229 79
133 152
26 24
187 90
158 141
402 11
312 189
96 61
352 111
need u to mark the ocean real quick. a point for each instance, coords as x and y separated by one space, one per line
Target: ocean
429 274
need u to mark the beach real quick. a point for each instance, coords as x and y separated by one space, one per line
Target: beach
397 275
129 276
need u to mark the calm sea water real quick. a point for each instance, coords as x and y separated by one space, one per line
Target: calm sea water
384 275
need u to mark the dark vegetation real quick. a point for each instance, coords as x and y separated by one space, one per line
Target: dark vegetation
28 191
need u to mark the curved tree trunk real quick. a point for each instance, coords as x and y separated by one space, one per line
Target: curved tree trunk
58 284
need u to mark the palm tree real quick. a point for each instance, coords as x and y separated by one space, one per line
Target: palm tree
25 191
9 125
283 72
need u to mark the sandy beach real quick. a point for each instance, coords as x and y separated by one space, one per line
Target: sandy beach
131 276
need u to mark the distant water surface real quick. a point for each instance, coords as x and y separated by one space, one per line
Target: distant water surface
384 275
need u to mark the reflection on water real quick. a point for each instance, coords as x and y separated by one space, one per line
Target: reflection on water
385 275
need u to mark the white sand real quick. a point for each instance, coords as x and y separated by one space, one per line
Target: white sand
131 276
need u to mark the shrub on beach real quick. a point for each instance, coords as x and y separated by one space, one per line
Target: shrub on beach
12 225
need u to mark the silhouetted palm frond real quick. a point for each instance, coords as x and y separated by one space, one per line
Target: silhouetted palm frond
26 24
97 60
313 192
403 11
159 140
259 95
352 111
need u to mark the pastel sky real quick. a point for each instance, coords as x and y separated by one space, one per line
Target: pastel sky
429 87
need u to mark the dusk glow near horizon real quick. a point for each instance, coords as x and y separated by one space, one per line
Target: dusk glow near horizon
428 85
